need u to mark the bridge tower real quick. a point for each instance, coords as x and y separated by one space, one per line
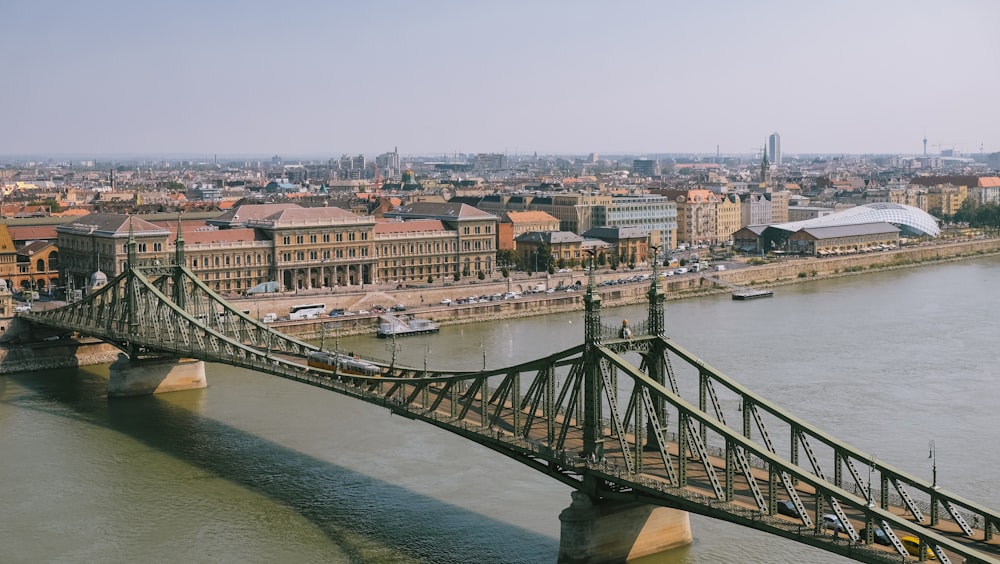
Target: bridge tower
132 292
131 375
655 364
593 440
179 261
594 530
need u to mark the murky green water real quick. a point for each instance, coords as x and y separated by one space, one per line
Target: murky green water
258 469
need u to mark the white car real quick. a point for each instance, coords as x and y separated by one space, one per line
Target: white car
564 270
363 312
22 307
445 301
681 270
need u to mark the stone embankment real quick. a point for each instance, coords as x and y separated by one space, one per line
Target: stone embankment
424 302
65 353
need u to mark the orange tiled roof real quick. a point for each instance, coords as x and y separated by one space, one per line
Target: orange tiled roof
529 216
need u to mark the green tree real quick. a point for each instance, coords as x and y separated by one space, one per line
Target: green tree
430 279
481 275
505 272
602 259
507 258
466 271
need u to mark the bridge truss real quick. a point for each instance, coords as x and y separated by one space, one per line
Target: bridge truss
628 415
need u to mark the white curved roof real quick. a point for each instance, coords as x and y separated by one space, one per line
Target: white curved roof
910 219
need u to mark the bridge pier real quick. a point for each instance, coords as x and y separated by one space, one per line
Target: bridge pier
155 376
612 531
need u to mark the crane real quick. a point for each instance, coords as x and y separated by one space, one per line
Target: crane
951 147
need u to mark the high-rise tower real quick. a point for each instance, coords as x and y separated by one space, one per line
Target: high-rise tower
774 143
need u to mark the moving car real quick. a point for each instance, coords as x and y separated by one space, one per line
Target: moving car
786 507
878 536
830 521
912 545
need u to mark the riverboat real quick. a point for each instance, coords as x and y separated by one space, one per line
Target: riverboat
401 326
752 294
342 363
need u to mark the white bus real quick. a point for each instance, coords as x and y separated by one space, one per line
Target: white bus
306 311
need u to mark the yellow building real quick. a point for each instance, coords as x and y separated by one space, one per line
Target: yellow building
729 215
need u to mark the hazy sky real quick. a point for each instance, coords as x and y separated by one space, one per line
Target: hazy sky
326 77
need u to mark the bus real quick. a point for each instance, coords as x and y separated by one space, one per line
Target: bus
306 311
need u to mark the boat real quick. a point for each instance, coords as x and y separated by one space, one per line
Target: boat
750 294
401 325
342 363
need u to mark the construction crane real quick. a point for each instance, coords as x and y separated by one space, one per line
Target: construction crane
950 146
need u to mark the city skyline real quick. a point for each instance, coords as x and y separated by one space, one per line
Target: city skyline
440 78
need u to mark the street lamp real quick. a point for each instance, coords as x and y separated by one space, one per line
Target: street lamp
932 454
871 466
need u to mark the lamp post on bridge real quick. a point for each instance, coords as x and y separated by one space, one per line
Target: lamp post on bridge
932 454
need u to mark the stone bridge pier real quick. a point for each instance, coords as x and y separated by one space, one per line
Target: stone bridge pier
603 531
143 377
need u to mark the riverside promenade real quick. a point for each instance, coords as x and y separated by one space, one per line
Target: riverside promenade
425 301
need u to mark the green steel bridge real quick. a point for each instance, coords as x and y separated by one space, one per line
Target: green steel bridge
627 416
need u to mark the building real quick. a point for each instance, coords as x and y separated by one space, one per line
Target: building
99 243
645 168
490 162
517 223
418 250
802 213
629 245
565 250
729 213
697 215
755 209
476 232
774 146
843 239
654 214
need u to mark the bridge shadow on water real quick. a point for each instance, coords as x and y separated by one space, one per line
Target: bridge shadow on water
367 519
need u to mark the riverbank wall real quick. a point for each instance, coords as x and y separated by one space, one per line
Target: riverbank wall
68 353
65 353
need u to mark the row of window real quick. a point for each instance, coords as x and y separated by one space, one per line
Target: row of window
314 238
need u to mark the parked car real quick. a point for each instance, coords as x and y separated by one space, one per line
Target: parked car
878 536
786 507
446 301
830 521
681 270
398 307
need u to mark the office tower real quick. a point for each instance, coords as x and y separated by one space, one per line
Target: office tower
774 143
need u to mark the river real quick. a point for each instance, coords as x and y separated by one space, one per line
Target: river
259 469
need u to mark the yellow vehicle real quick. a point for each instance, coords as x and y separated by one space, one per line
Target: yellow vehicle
912 545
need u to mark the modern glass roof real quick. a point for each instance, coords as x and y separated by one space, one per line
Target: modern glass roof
913 221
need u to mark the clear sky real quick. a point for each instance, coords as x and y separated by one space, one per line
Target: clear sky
327 77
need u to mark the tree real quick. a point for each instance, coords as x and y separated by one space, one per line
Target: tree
457 276
507 258
505 272
542 257
430 279
466 271
602 259
481 275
